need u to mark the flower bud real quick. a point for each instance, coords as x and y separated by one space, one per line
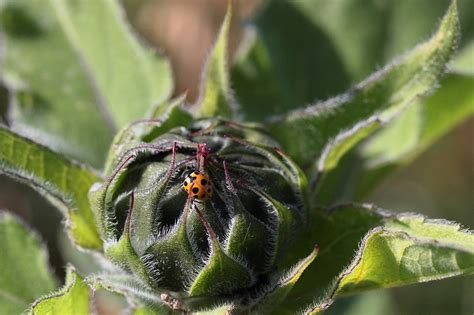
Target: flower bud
223 246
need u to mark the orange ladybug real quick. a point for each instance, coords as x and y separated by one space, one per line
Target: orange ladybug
198 185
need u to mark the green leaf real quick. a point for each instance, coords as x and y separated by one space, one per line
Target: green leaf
464 62
304 133
339 146
395 250
129 87
73 298
24 268
285 65
331 155
64 182
174 116
409 251
338 233
128 286
412 133
76 64
160 110
215 96
402 135
222 273
400 142
285 284
344 41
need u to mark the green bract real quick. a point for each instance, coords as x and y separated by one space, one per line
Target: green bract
228 248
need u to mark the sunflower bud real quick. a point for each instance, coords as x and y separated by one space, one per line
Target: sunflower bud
204 214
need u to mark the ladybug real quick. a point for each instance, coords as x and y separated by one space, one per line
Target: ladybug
198 185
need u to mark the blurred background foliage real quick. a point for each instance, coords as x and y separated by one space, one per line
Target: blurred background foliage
439 183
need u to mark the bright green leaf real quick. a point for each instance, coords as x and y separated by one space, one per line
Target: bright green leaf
73 298
128 88
77 64
156 112
464 61
215 96
400 142
396 250
53 95
397 139
391 258
24 268
335 149
412 133
174 116
66 183
304 133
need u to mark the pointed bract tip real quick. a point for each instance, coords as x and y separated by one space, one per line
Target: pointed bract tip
317 248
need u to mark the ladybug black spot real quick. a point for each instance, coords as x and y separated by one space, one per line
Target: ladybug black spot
185 183
203 196
203 182
193 178
209 190
195 190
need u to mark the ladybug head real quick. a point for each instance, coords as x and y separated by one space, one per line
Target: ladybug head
187 171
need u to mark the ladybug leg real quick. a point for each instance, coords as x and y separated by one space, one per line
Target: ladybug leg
201 156
205 222
129 158
238 182
125 162
173 161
